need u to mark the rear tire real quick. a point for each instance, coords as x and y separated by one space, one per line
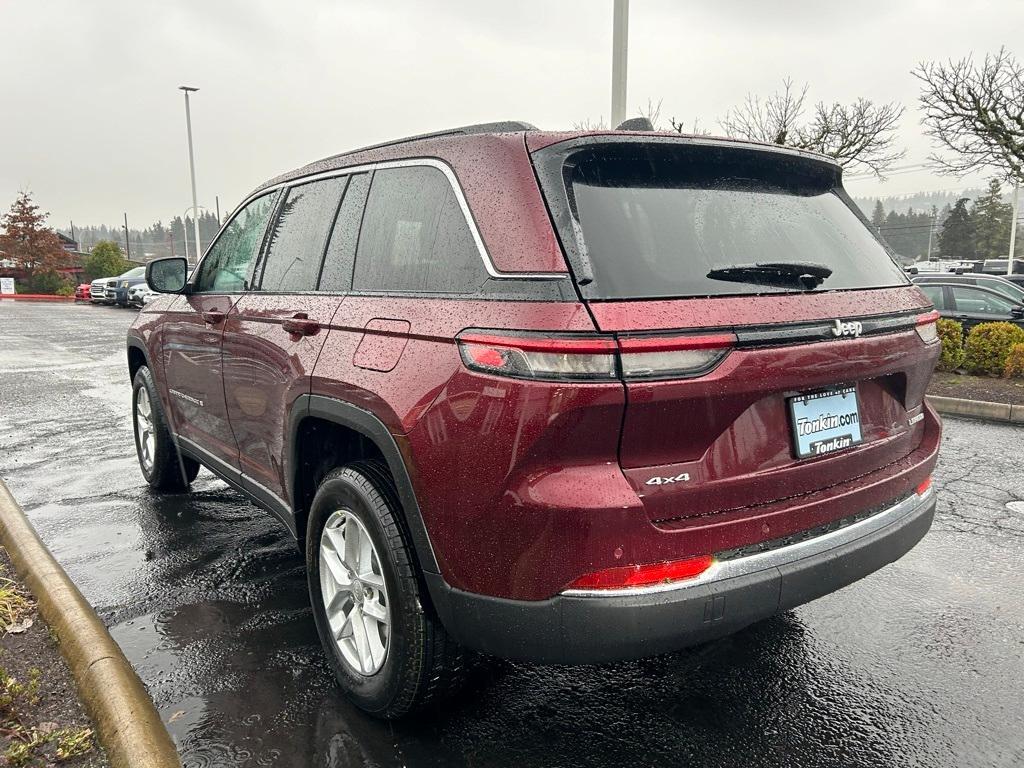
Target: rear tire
410 662
157 453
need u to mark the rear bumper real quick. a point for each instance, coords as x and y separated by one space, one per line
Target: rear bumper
603 626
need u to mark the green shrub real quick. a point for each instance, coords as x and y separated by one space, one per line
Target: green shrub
951 334
988 345
46 281
1014 368
66 290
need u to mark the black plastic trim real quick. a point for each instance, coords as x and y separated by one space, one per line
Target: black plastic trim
360 420
569 629
248 487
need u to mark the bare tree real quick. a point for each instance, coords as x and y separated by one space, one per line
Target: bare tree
858 135
652 112
772 120
695 130
861 134
587 124
976 114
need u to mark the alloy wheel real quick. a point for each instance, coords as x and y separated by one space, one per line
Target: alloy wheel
144 428
354 594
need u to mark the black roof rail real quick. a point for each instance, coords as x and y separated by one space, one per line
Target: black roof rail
503 126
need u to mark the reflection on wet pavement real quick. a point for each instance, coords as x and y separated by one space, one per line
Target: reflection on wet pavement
920 664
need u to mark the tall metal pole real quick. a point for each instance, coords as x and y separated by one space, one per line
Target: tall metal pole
127 245
620 40
931 229
1013 227
192 169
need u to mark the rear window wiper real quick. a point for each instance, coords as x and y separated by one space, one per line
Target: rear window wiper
783 273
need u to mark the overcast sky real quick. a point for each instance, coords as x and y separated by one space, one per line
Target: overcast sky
93 124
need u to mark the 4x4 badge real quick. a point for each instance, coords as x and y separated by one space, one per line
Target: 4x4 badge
665 480
853 328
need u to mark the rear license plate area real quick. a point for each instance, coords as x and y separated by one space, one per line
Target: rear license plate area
825 422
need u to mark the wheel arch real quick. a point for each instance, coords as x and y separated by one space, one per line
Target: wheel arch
317 408
138 356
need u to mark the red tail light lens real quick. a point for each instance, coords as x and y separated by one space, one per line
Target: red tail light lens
927 327
538 357
644 575
596 358
922 489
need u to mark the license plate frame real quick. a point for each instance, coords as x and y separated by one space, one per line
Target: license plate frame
838 428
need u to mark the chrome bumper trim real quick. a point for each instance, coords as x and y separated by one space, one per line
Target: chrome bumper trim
740 566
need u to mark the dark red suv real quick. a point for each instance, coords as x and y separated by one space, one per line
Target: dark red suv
560 397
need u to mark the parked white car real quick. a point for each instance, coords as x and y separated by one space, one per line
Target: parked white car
98 291
139 295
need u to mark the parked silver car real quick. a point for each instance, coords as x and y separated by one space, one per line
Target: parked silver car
98 291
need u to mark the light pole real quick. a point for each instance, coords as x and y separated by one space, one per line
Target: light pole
192 167
620 40
1013 227
195 217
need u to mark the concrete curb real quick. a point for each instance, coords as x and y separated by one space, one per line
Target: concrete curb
34 297
127 723
978 409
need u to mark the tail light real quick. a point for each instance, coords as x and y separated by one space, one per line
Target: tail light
645 575
539 357
927 327
594 358
922 489
680 356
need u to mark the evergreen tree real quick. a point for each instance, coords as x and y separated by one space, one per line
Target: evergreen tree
878 216
956 238
992 223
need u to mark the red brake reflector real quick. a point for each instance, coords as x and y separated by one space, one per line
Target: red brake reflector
486 356
924 486
644 575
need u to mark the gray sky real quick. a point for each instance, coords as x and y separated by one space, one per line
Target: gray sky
93 124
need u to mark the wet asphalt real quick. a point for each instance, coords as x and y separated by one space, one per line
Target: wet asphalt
920 664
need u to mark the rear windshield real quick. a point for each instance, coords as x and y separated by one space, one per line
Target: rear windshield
658 220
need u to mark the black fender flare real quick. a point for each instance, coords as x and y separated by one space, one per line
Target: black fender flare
367 424
134 342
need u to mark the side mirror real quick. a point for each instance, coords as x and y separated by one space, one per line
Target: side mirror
167 275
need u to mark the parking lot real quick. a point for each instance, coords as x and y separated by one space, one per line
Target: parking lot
920 664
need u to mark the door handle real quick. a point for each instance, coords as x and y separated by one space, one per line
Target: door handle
300 324
213 317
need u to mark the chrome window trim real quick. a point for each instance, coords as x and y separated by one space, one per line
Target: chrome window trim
429 162
742 566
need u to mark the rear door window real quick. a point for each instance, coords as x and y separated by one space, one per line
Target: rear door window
298 237
336 276
978 301
415 237
227 265
934 294
666 220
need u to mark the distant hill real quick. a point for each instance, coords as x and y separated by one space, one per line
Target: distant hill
918 201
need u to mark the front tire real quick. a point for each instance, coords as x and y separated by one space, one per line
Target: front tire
389 654
158 455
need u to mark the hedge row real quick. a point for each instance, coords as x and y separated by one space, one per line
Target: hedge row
990 349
